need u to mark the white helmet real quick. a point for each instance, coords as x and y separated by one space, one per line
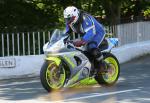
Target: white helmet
71 15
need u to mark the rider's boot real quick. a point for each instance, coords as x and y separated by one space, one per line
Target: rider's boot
101 65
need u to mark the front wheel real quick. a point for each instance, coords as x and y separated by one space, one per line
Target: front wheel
52 76
113 71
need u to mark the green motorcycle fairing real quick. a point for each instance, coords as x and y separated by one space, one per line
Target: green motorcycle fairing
71 65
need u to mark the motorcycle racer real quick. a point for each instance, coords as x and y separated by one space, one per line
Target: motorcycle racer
83 23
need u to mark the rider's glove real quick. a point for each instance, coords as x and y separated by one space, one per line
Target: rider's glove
79 43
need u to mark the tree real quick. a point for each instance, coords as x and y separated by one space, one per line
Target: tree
112 10
135 9
26 15
49 13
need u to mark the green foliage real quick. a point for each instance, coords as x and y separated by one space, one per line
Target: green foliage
27 15
48 14
147 12
133 8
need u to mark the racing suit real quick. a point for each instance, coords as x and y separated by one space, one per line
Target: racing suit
92 31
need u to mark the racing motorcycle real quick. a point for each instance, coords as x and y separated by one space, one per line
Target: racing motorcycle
67 66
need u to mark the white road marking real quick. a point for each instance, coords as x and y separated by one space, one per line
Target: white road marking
19 83
97 95
143 99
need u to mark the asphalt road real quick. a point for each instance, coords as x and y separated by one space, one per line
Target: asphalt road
133 87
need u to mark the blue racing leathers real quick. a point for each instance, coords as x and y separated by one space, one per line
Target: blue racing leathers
93 34
90 28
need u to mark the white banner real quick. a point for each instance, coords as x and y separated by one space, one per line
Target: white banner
7 63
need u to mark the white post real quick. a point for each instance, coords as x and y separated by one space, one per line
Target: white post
3 44
33 34
119 34
39 43
7 44
28 43
18 44
138 32
23 43
13 44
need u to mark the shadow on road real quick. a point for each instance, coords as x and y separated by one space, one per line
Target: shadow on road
21 89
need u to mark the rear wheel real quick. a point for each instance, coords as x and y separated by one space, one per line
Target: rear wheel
52 76
113 71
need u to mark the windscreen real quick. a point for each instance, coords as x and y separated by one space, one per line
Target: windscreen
56 36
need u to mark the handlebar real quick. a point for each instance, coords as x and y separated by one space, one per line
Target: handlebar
70 44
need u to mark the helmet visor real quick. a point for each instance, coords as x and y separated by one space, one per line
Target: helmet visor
69 20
